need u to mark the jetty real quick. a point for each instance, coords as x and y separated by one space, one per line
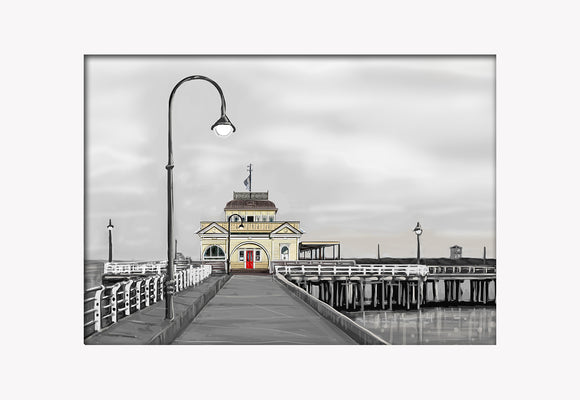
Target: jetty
346 285
300 302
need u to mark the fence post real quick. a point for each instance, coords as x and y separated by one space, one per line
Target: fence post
97 308
161 287
138 294
155 282
147 292
128 297
113 298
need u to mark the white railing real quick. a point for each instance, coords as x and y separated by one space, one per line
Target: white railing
462 269
105 305
358 269
141 267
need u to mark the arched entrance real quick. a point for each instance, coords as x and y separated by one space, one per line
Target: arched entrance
250 255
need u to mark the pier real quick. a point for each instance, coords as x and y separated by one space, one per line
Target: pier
349 286
255 309
299 303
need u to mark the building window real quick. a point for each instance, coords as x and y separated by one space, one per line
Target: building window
271 218
284 252
258 256
214 252
241 255
250 218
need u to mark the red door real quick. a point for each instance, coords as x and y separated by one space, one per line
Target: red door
250 259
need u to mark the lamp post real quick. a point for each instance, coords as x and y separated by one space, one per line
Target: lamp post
110 228
240 227
222 128
418 231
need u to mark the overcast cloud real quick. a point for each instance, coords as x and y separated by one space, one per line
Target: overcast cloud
356 148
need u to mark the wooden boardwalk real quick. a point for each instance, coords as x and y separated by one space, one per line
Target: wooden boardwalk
253 310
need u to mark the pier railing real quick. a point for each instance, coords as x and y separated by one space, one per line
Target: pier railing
347 286
130 268
105 305
314 262
461 269
355 269
349 268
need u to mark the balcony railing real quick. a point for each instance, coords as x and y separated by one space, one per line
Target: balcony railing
259 226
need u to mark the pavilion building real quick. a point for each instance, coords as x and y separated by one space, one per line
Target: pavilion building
262 238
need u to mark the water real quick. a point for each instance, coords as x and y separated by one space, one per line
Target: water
439 325
93 273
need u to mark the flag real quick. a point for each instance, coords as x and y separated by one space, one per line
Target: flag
248 182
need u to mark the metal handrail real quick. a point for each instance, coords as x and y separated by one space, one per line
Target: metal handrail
108 304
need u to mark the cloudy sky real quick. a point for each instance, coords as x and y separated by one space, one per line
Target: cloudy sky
356 148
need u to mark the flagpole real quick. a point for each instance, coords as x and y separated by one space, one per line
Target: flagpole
250 169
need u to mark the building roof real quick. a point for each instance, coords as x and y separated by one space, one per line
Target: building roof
250 201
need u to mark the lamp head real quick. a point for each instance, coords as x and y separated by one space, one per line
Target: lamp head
110 226
418 230
223 127
241 226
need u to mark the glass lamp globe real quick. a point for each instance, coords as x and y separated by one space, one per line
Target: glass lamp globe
223 130
223 127
418 230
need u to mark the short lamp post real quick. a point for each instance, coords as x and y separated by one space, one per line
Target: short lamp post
241 226
110 228
418 231
222 128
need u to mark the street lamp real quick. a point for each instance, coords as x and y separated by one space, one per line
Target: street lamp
222 128
110 228
240 227
418 231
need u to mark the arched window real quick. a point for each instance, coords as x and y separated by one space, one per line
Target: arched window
214 252
284 251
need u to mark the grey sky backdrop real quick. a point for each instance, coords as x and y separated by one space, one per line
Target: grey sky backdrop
356 148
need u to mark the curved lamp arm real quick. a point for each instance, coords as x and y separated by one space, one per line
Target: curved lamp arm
222 120
222 127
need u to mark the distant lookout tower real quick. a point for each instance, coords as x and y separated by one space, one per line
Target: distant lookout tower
455 252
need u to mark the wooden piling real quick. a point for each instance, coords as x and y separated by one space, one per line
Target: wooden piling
362 294
485 288
408 299
391 288
419 293
383 294
471 290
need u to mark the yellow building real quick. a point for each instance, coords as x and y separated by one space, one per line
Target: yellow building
261 240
